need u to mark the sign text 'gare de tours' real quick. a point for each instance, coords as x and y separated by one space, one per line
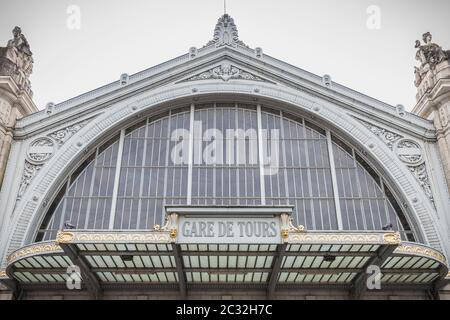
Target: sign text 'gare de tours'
229 225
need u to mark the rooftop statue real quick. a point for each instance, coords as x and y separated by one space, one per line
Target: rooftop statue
19 42
16 60
429 55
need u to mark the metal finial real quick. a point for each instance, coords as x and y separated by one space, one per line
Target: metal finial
224 6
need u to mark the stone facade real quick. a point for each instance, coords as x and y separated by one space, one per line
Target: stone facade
433 94
16 66
38 150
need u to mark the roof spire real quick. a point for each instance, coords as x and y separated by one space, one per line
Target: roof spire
225 33
224 6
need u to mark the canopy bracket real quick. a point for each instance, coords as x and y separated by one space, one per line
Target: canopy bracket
180 271
275 271
90 279
359 285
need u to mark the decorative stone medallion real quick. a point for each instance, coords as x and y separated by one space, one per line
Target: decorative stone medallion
409 152
41 150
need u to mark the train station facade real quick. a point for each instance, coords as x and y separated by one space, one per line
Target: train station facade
224 173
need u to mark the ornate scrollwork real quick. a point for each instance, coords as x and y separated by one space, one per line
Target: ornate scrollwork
409 152
41 150
113 237
343 238
392 238
225 72
29 172
62 135
388 137
421 175
287 226
416 249
39 248
64 237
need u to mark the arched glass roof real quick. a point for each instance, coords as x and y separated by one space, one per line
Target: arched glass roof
225 155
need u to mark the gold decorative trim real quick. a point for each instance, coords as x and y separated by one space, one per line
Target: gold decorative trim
113 237
64 237
392 238
416 249
38 248
3 274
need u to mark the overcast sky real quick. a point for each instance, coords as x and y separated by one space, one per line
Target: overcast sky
321 36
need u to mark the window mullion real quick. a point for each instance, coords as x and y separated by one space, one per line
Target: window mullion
191 154
64 199
91 192
260 153
286 181
141 186
166 169
334 182
116 180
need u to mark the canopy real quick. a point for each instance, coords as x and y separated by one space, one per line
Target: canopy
153 259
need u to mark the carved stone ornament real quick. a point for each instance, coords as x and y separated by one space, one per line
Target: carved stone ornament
421 174
61 136
226 33
29 172
409 152
429 55
225 72
40 150
16 61
5 111
388 137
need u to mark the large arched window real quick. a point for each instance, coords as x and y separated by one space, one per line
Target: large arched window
225 154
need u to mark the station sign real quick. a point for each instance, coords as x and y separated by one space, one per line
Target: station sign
228 224
217 230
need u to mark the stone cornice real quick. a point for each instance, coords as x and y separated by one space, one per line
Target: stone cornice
426 105
22 99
